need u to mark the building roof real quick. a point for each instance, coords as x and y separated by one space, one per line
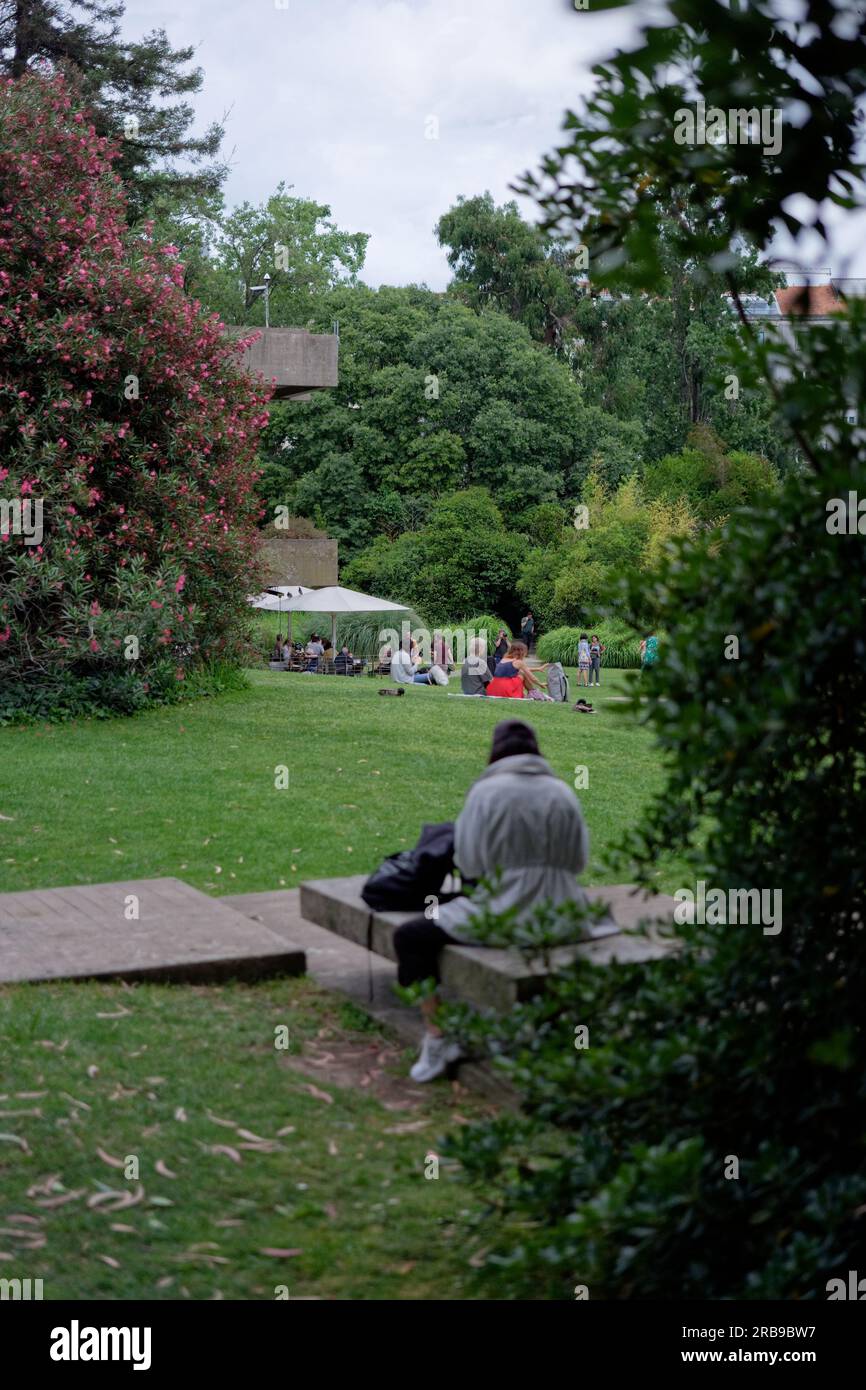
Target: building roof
809 301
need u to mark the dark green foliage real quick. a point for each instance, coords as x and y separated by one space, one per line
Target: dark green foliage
462 560
749 1043
502 262
432 398
621 645
64 696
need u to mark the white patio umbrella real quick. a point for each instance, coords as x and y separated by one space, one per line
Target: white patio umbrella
274 600
335 600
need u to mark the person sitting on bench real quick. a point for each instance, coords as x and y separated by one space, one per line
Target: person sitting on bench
344 662
522 828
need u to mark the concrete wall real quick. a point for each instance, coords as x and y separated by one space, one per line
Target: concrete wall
297 361
310 562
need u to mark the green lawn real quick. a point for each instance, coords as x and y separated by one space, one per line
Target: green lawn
183 1076
189 1078
190 791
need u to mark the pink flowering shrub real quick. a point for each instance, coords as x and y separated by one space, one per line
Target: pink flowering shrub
125 414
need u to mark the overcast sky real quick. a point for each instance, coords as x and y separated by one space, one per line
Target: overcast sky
336 98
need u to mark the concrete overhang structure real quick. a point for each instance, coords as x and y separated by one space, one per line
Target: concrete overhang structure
298 362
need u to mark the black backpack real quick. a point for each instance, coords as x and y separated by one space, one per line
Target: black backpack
405 880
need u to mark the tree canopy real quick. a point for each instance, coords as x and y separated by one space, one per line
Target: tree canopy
125 84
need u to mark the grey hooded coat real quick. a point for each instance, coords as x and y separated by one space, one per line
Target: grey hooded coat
521 819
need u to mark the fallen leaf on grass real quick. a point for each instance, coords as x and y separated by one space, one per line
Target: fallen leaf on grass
180 1114
330 1210
229 1221
109 1260
92 1070
229 1124
119 1200
405 1268
227 1150
29 1095
248 1134
82 1104
122 1092
323 1060
45 1186
165 1282
332 1148
479 1259
185 1256
280 1254
15 1139
124 1230
110 1159
286 1129
317 1094
411 1127
23 1220
49 1203
11 1114
267 1146
120 1013
162 1170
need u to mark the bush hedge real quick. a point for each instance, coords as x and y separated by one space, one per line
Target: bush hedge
126 423
622 646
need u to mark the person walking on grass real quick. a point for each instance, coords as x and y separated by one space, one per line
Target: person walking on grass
527 630
583 660
649 651
522 829
596 647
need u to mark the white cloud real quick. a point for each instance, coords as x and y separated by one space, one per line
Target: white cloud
332 96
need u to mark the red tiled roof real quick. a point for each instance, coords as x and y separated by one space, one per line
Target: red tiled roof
800 301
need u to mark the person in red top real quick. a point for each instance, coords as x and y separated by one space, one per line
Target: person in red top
512 675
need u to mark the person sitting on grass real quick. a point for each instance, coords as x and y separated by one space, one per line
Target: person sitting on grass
522 828
513 676
402 665
475 674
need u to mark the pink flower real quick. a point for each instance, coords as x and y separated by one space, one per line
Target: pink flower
180 583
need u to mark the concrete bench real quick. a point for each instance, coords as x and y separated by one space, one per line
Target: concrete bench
485 976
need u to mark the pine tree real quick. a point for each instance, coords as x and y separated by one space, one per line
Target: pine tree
125 85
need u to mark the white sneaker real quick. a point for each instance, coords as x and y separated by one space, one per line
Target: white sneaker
435 1056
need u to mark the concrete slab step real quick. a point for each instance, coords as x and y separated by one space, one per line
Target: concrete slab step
485 976
140 929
